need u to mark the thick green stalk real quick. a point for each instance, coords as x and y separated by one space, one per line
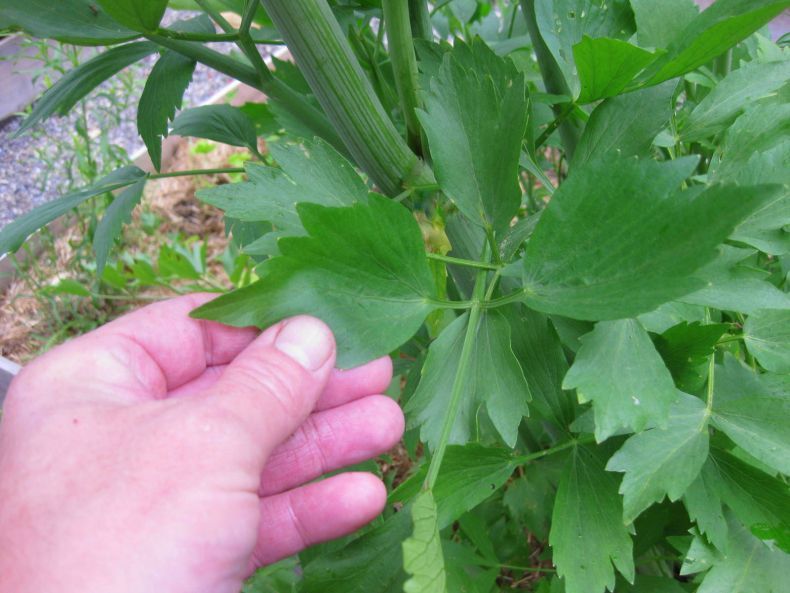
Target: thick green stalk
286 97
553 79
420 20
460 376
324 56
404 65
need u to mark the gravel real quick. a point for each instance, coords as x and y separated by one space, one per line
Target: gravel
34 167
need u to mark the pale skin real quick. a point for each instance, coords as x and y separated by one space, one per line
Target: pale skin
163 453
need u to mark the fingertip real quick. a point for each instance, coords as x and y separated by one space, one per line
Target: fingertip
362 496
307 340
389 415
351 384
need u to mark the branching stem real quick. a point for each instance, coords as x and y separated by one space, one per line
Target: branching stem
460 376
469 263
584 440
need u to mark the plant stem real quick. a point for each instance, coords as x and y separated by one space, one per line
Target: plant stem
247 45
196 172
584 440
469 263
420 20
555 123
325 58
404 65
460 375
513 297
553 79
201 37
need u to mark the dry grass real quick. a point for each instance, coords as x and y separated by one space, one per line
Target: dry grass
30 324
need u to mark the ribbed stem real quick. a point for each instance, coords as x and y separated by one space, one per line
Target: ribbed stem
420 20
404 64
324 56
553 79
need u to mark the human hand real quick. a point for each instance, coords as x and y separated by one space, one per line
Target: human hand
163 453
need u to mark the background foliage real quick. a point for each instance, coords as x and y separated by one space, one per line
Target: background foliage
565 221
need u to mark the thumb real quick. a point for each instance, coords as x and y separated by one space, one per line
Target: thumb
273 385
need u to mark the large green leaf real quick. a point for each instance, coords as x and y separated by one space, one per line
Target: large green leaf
495 382
625 125
469 475
14 234
619 370
140 15
618 240
118 213
659 23
80 81
81 22
661 462
563 24
767 336
748 566
475 124
221 123
737 91
587 532
711 33
362 269
372 563
606 66
162 95
703 504
422 551
311 172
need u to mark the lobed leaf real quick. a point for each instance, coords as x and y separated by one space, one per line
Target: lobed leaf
422 551
619 370
663 462
117 213
139 15
767 336
362 269
221 123
606 66
475 121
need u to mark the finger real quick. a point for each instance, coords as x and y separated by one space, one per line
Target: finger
332 508
273 385
347 385
343 386
333 439
145 353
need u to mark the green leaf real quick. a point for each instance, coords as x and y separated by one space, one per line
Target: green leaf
749 566
625 125
711 33
619 370
118 213
140 15
162 96
703 504
661 462
362 269
372 563
734 93
616 240
606 66
221 123
537 347
734 285
78 82
312 172
475 124
759 425
587 535
564 23
659 23
767 336
14 234
469 475
760 502
422 551
686 349
80 22
496 381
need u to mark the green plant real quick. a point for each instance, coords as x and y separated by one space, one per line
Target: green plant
567 227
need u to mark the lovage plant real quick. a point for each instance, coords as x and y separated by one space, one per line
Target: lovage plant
566 221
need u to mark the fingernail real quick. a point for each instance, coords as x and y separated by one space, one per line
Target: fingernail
307 340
